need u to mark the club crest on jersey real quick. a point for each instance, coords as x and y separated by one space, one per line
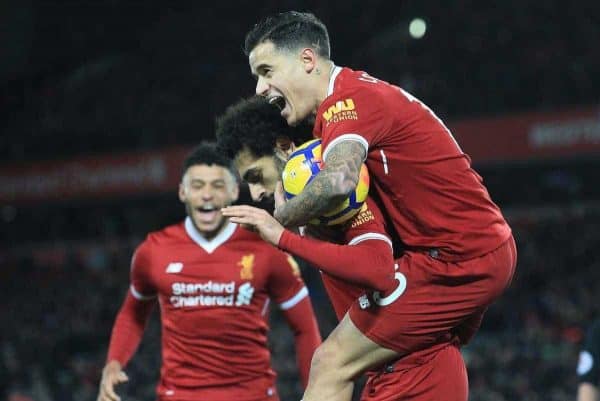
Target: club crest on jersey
247 263
340 111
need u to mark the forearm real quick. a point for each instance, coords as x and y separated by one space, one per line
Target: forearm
369 264
128 329
317 198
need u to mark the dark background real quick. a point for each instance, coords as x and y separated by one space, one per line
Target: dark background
89 78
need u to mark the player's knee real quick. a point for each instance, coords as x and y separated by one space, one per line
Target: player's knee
324 359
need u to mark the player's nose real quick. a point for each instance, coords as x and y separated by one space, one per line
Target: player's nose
257 192
262 87
207 194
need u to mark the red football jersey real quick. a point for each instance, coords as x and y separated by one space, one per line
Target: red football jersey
367 225
425 182
214 298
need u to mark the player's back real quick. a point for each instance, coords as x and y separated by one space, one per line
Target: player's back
214 298
423 179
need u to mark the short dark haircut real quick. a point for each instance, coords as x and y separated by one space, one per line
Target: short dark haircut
254 124
206 153
290 30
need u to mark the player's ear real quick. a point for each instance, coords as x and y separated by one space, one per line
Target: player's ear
182 196
234 187
284 144
292 148
309 59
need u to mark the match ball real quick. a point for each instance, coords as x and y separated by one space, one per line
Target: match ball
303 165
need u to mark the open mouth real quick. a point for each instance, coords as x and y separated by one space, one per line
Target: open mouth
207 212
278 101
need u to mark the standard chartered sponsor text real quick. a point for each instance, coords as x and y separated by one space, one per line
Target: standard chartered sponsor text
209 293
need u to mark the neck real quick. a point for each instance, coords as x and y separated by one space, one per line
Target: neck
209 235
329 66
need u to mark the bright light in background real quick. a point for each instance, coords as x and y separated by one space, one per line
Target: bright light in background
417 28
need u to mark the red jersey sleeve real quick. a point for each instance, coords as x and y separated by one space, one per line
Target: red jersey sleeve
285 286
288 290
366 259
356 114
141 264
134 313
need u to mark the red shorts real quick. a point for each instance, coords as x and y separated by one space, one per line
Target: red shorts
438 376
435 300
255 389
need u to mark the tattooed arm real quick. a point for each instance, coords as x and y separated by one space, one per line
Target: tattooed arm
330 187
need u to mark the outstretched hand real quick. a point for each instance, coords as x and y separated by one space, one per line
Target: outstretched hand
112 374
269 229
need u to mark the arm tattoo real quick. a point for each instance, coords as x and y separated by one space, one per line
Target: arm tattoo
330 187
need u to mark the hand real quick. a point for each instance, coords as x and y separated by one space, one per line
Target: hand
269 229
280 200
111 376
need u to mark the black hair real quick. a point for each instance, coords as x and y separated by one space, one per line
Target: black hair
290 30
207 153
254 124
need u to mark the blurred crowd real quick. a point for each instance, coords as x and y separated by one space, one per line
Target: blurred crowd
155 74
60 301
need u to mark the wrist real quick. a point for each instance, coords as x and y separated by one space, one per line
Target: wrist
113 364
285 239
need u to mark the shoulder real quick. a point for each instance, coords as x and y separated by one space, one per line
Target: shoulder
156 241
168 235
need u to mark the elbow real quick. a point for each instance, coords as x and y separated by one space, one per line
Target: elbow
384 275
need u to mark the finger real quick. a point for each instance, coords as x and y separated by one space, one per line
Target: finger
232 210
241 220
279 194
236 213
109 391
122 377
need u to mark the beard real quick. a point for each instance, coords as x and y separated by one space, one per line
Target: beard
267 203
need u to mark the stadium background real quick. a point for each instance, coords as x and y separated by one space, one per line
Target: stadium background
99 100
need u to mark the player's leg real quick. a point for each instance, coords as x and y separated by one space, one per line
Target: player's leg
442 376
342 357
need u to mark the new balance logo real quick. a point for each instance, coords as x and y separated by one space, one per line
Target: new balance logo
174 267
363 302
245 292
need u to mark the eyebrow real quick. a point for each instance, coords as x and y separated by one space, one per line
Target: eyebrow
203 181
261 67
250 171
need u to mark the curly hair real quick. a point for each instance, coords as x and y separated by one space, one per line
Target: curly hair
254 124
